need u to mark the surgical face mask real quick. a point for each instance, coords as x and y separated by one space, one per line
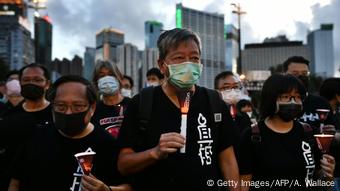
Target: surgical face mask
108 85
70 124
184 75
126 92
231 96
32 91
288 111
13 87
154 84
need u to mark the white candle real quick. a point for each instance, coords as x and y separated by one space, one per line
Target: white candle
183 130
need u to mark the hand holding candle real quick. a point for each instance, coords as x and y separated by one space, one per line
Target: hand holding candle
85 160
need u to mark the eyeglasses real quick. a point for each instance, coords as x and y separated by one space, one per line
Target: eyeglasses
77 108
230 88
304 73
288 98
33 80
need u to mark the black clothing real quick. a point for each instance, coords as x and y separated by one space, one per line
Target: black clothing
48 162
16 128
205 140
110 117
3 108
279 156
310 115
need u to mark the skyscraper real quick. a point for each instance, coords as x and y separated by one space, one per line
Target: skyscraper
107 41
43 40
16 44
210 28
149 60
13 8
128 62
321 48
231 47
89 62
152 31
68 67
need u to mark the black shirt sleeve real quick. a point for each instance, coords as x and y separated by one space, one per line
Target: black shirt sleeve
226 129
129 132
245 160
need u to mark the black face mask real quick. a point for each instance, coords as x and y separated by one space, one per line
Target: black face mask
32 92
304 80
289 111
70 124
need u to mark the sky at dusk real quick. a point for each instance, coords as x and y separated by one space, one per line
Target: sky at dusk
75 23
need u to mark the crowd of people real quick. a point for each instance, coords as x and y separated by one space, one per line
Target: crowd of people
173 134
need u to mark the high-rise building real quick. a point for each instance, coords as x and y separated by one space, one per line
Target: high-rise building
16 44
270 53
149 59
68 67
128 62
152 31
43 40
107 41
321 48
89 62
231 47
13 8
210 28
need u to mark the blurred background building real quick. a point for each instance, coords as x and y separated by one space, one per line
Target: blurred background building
16 44
321 48
107 41
210 28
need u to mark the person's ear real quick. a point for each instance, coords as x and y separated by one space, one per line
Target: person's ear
48 84
161 66
93 109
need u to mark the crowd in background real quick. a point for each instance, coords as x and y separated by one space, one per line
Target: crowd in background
173 134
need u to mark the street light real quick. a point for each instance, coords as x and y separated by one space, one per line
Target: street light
239 12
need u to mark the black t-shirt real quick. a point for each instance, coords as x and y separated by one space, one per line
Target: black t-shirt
110 117
16 128
242 122
3 108
189 171
48 162
289 156
310 115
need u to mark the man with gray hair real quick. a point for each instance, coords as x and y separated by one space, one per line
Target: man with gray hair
186 144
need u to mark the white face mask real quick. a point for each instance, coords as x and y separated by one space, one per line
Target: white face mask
126 92
108 85
231 96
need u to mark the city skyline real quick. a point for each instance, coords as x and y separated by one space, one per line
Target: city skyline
75 26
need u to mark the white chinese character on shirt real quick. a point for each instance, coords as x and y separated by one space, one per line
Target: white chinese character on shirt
205 141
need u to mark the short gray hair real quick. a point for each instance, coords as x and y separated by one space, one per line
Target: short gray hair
172 38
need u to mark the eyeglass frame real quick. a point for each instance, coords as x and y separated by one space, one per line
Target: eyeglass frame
71 107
